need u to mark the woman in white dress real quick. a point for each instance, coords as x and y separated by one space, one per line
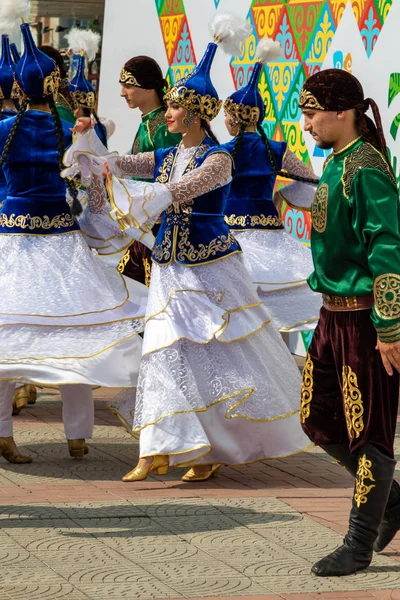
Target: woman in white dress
278 263
67 319
217 385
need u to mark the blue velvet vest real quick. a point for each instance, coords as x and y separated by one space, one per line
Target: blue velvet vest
194 232
4 114
250 204
35 203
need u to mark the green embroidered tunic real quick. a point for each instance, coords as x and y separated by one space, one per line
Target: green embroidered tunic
355 238
153 133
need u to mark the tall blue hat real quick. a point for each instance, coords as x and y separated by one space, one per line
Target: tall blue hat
84 44
80 88
36 73
196 92
7 70
246 106
14 53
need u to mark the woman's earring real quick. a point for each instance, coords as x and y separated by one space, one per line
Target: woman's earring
187 121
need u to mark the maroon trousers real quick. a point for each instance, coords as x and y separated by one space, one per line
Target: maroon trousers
347 396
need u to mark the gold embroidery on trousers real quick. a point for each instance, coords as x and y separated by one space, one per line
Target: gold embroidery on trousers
319 208
387 295
147 271
363 472
306 389
124 261
353 405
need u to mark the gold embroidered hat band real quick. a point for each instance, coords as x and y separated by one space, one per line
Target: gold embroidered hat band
143 72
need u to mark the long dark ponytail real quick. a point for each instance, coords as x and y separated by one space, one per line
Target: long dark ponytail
272 159
13 131
76 207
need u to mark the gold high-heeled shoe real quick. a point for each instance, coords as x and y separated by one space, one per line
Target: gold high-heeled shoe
159 466
77 448
191 476
9 451
32 394
20 399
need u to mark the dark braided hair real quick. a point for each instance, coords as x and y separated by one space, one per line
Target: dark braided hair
13 131
238 141
207 128
277 171
90 112
76 207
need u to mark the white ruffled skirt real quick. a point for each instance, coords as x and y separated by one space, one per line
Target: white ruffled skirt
279 266
66 316
217 383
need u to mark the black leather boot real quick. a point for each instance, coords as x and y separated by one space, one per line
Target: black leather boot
391 520
373 483
390 524
341 453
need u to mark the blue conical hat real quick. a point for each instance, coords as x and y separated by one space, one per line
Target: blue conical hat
246 105
196 92
37 74
81 90
14 53
7 70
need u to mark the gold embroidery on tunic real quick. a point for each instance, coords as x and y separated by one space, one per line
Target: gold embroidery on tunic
27 222
363 157
306 389
387 295
155 123
363 472
353 405
241 220
136 146
319 208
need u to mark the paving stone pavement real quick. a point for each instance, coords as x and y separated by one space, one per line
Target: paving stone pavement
71 529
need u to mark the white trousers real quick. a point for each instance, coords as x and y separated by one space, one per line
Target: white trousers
78 410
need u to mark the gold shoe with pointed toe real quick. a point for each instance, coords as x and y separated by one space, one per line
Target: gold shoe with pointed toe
9 451
159 466
32 394
191 475
78 448
20 399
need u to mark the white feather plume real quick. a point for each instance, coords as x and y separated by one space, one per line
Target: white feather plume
84 39
229 32
268 50
12 14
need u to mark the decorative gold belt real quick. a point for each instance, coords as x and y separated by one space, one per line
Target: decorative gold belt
337 303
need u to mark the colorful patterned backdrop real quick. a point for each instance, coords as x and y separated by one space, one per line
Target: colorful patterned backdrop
305 29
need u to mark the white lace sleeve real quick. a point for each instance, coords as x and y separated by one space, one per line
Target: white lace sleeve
215 172
97 197
140 166
109 125
292 164
297 195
